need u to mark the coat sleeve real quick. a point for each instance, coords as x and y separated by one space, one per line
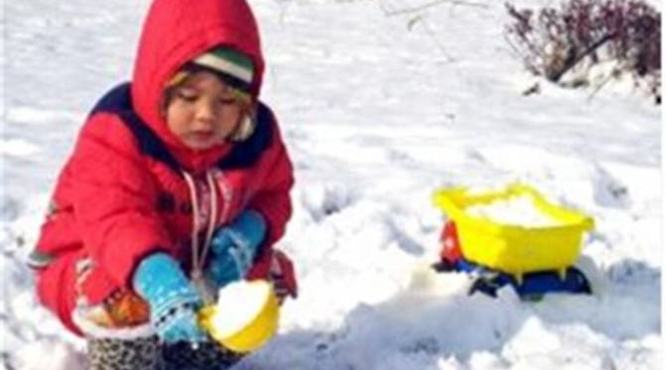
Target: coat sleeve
115 197
272 199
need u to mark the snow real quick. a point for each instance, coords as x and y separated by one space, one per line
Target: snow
61 356
379 107
18 148
516 211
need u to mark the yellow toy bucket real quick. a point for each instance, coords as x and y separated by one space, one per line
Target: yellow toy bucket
515 249
250 333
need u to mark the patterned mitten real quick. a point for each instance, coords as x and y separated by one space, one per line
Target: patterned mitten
234 248
173 300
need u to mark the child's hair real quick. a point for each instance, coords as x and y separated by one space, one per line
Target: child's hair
234 69
242 97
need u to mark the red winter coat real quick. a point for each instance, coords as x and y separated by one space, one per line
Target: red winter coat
122 194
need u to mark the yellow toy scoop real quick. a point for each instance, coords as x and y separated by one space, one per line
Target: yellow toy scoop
245 317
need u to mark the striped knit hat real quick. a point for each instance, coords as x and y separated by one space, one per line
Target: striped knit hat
233 67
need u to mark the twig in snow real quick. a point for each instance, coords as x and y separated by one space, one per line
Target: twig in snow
600 85
420 19
6 360
434 38
406 10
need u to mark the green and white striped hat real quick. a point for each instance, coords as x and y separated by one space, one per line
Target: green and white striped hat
233 67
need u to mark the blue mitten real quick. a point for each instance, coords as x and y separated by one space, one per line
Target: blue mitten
173 300
234 248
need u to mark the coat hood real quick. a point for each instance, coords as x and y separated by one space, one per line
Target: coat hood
175 32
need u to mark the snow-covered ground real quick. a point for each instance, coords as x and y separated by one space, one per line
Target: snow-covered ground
380 106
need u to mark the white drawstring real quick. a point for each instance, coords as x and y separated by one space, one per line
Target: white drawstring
198 259
213 211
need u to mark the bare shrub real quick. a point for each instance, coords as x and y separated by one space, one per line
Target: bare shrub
582 33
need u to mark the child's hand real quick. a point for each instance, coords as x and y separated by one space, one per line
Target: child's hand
234 248
173 300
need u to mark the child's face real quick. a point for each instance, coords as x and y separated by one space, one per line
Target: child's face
203 111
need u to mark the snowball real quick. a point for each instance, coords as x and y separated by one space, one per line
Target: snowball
238 304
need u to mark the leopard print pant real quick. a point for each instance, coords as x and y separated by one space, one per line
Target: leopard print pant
124 354
149 354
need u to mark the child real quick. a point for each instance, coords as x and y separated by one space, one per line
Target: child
179 183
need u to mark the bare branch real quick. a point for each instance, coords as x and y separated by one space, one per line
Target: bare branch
407 10
576 59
